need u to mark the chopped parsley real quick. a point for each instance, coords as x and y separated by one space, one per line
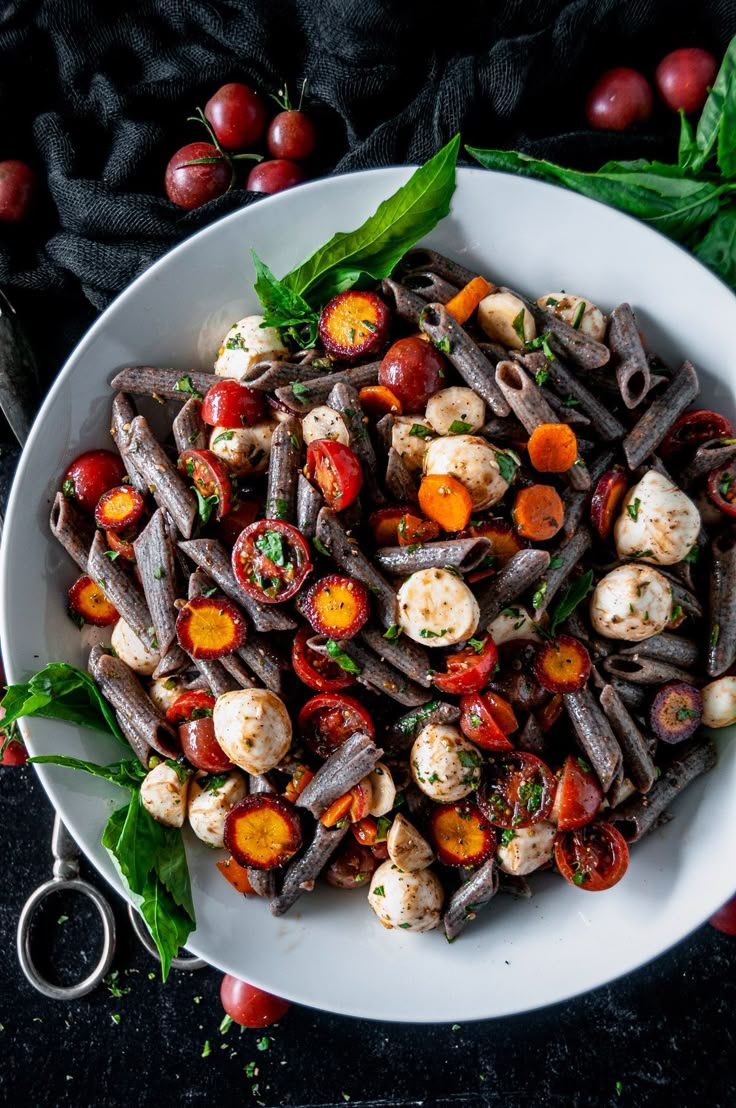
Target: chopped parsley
555 561
393 632
579 313
427 634
184 384
443 344
474 720
715 635
541 376
263 1043
379 891
633 509
420 431
226 1024
382 827
530 794
159 573
206 1049
210 591
724 484
470 759
507 836
478 645
68 488
344 660
538 598
300 391
279 508
507 462
570 402
111 554
518 325
459 427
686 713
320 547
205 504
271 545
541 342
692 555
224 436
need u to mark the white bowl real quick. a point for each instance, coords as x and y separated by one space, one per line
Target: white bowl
330 952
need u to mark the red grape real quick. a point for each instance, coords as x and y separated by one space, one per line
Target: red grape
619 98
191 186
237 116
291 134
249 1006
684 77
17 185
273 176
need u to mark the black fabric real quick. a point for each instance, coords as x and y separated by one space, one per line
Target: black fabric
95 94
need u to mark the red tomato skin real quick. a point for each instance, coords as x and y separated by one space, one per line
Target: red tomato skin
208 473
471 678
17 187
250 1006
692 429
508 773
572 846
336 470
326 704
230 404
275 176
15 753
619 98
329 678
486 734
183 707
201 748
296 542
237 115
725 918
579 796
414 370
190 186
91 475
715 480
240 516
684 77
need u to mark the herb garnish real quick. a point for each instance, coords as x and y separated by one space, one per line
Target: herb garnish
184 384
335 651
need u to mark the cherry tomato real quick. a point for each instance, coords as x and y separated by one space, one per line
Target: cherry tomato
414 529
684 77
469 669
384 525
249 1006
291 134
17 186
594 858
90 476
15 754
274 176
241 515
692 429
317 671
327 720
237 115
619 98
122 543
414 370
194 704
209 477
722 487
478 723
230 404
191 182
579 795
725 918
351 867
606 500
519 790
201 748
270 560
336 470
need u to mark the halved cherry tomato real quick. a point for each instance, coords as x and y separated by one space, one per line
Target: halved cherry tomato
519 790
242 513
230 404
337 606
327 720
725 918
501 711
413 529
317 671
236 874
469 669
122 543
90 475
87 599
722 488
606 501
336 470
579 795
351 867
270 560
209 477
200 746
562 664
195 704
693 428
366 831
384 525
478 723
594 858
119 508
549 713
461 833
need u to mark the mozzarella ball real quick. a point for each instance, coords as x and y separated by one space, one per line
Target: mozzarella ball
164 691
512 624
164 794
658 522
412 901
472 460
246 343
407 849
244 450
437 608
324 423
632 602
132 651
412 448
719 703
496 315
211 799
383 790
566 307
253 728
529 849
456 405
444 764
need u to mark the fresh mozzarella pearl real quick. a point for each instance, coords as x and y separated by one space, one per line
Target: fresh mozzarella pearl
658 523
631 602
324 423
496 315
209 806
444 764
513 623
529 849
132 651
164 795
164 691
407 849
383 790
472 460
411 901
244 450
246 343
412 448
253 728
437 608
592 322
456 404
719 703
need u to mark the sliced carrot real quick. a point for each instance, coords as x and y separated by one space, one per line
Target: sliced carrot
413 529
607 499
354 324
549 713
236 874
379 400
337 810
208 627
445 500
553 448
337 606
538 512
122 543
462 834
300 778
463 303
119 508
562 665
87 600
384 525
353 804
263 831
504 544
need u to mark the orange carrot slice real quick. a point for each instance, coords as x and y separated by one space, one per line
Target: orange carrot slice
300 778
352 805
461 833
562 665
445 500
119 508
263 831
463 303
208 627
413 529
86 599
538 512
384 525
337 606
504 544
379 400
236 874
354 325
553 448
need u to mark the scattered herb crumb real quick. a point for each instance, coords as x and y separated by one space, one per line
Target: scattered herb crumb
264 1043
206 1049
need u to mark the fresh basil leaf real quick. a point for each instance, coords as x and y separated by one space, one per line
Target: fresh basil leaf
506 465
128 773
572 595
717 248
169 924
282 306
708 135
135 848
60 691
687 149
172 869
205 504
271 545
335 651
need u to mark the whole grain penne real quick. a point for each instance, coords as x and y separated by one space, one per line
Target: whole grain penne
237 669
173 661
302 873
463 555
512 885
635 697
567 341
265 662
376 674
348 557
301 396
638 763
568 386
71 530
344 399
121 590
430 286
400 481
350 763
421 259
138 744
166 484
474 894
164 384
309 501
521 571
628 356
271 374
409 657
123 414
646 435
283 470
188 428
647 671
403 302
401 732
505 431
722 610
594 735
667 648
708 456
562 562
212 557
121 687
566 412
155 559
463 353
